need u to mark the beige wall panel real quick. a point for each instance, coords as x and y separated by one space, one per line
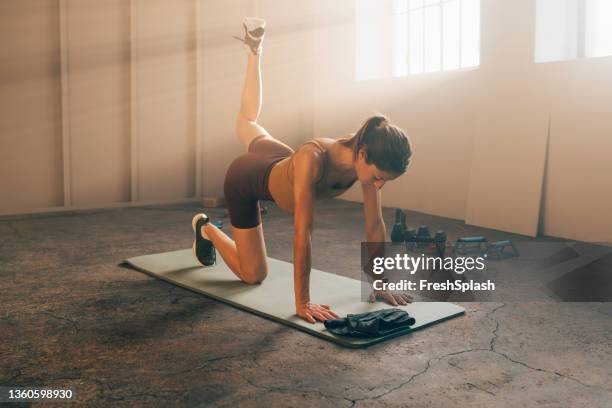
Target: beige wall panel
511 128
288 69
99 100
223 66
507 169
30 106
165 99
578 199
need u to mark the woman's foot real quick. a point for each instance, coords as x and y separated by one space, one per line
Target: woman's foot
203 248
254 30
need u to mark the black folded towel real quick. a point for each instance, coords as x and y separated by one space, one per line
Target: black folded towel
371 324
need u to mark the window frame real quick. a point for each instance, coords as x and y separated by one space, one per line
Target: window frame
407 9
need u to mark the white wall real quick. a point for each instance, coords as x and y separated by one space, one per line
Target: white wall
436 110
97 101
30 108
480 136
107 103
164 91
578 189
511 128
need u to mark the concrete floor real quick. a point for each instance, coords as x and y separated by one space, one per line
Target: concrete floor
71 317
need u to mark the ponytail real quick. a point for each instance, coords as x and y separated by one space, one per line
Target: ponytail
385 145
365 130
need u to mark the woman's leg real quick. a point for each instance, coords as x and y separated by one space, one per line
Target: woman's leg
247 127
246 256
250 103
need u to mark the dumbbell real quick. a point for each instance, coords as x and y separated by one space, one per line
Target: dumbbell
423 232
464 245
410 235
440 240
410 239
497 248
423 236
399 228
472 240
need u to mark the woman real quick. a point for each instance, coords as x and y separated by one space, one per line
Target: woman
271 170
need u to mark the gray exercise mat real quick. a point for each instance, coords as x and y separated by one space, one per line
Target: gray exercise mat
274 297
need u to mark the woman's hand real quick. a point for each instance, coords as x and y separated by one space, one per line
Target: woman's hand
312 312
393 298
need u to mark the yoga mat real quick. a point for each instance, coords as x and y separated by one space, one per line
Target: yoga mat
273 298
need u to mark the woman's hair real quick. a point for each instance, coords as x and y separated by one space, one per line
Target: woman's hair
386 145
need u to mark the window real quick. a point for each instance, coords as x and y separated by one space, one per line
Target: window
420 36
570 29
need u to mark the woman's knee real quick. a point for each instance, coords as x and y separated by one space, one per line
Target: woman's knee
251 253
244 126
254 275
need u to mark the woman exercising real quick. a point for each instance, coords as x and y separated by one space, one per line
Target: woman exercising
320 168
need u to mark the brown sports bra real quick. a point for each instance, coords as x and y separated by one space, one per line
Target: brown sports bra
280 182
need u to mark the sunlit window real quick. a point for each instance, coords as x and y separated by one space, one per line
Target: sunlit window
569 29
416 36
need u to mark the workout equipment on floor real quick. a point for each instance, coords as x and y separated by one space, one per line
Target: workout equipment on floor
481 246
420 238
470 246
273 298
497 249
399 228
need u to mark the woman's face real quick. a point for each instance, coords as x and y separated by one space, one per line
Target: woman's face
369 174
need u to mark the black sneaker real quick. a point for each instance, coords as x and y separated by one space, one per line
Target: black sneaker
203 249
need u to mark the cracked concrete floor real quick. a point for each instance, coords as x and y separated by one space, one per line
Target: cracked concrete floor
70 317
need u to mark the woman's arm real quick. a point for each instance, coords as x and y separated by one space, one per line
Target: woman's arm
374 223
307 170
376 233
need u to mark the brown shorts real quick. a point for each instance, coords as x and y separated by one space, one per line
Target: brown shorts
246 180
